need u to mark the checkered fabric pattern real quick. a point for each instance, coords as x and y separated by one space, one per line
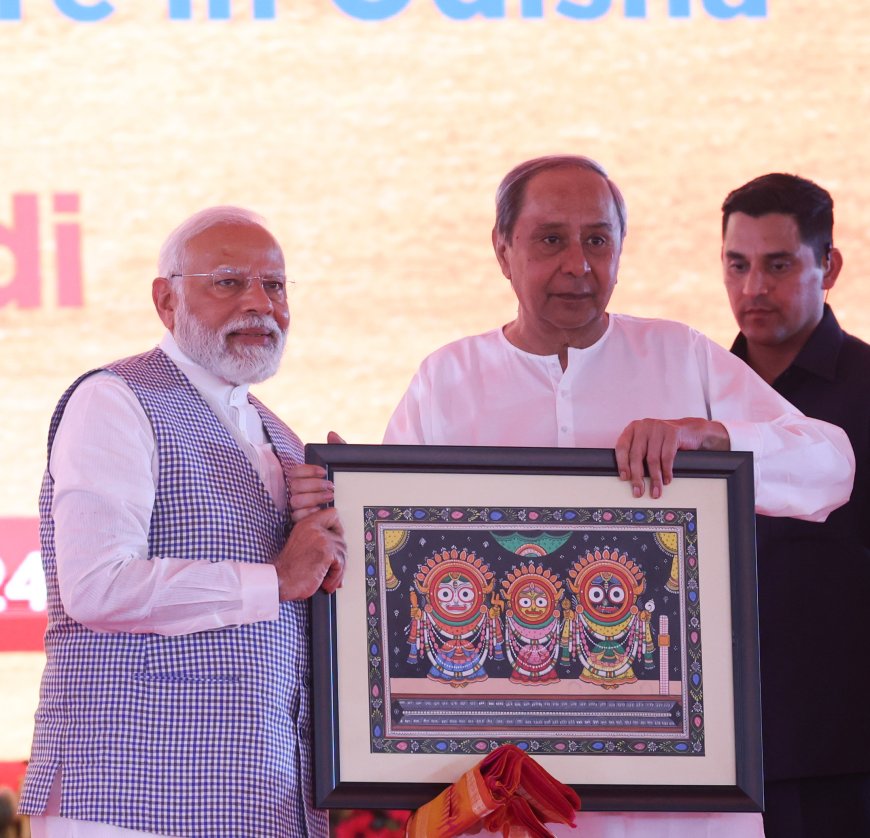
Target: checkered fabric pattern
205 734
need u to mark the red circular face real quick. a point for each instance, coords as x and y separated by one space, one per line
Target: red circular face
454 595
607 593
532 602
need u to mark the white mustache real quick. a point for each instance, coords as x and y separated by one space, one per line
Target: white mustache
252 321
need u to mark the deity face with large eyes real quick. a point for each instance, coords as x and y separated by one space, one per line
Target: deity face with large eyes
532 603
532 623
456 596
610 634
607 596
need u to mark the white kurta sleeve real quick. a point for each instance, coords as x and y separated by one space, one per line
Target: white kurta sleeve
804 467
104 466
407 425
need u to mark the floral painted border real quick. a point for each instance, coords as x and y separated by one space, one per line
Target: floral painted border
448 521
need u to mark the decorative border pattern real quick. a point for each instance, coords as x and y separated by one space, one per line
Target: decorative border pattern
662 712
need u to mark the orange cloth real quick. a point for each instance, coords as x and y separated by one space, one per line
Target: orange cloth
507 790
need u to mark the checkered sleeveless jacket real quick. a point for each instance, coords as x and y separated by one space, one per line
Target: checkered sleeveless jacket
204 734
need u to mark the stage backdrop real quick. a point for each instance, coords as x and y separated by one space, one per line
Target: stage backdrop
372 135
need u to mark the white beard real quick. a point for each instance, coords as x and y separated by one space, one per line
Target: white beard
241 365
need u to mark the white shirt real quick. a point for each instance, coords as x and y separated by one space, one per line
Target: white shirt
105 468
483 390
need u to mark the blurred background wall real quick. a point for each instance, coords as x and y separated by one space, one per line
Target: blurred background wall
372 135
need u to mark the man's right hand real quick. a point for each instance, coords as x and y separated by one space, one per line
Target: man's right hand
655 442
313 557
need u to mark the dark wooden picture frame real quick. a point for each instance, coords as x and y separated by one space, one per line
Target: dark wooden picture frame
517 515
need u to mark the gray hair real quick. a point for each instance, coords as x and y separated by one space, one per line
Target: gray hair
511 191
171 256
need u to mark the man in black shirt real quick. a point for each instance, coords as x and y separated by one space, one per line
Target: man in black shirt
813 579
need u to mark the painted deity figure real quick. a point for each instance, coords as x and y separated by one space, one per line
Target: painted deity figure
532 623
607 630
451 623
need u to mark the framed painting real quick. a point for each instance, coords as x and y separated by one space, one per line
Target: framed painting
517 595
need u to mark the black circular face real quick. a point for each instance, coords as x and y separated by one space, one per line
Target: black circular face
606 595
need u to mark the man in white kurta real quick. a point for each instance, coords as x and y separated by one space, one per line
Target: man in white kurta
566 373
483 390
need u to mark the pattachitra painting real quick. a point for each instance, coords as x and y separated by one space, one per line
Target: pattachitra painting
564 630
496 595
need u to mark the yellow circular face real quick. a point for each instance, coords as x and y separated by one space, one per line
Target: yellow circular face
532 603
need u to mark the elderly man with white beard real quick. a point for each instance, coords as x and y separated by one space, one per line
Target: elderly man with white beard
175 699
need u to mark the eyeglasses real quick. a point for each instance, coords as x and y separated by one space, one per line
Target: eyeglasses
227 284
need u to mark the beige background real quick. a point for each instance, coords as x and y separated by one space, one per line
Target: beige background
374 149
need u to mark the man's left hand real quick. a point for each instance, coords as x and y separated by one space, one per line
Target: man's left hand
656 442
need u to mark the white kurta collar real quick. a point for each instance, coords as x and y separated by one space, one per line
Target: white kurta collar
572 351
